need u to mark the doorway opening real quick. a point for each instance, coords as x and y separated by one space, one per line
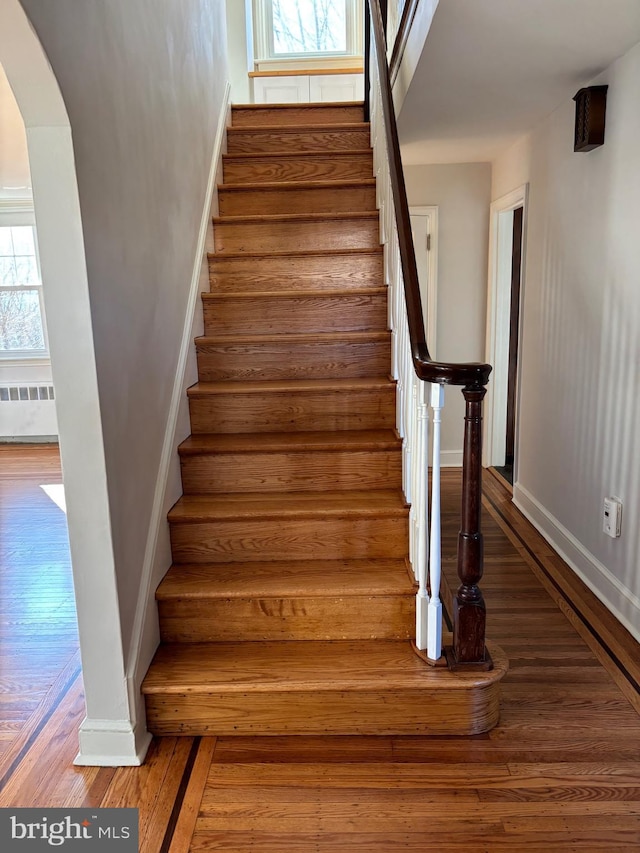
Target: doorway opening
507 241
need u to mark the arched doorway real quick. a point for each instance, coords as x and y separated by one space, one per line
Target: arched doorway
109 735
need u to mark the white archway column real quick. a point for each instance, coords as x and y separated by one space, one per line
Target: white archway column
109 734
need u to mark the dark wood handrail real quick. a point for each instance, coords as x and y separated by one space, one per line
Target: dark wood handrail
443 373
402 36
469 615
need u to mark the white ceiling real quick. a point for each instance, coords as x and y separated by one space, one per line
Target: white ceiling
492 69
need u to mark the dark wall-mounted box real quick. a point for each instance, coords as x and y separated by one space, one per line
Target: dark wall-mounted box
591 106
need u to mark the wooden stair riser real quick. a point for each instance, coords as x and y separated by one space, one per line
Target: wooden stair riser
241 201
252 115
258 619
281 235
320 538
291 359
313 712
321 139
315 166
290 411
309 471
293 313
238 274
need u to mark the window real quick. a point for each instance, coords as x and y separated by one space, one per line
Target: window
308 29
22 332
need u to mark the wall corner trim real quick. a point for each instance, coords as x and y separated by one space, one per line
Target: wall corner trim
624 605
143 643
111 743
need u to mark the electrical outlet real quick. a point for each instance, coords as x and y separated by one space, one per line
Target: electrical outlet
612 517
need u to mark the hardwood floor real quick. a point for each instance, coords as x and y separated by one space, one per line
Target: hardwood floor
561 772
38 635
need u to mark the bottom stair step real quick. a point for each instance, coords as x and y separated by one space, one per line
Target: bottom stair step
308 687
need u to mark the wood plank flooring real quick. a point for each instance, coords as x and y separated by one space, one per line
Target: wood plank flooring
561 772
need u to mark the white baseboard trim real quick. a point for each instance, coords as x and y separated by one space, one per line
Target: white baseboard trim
451 458
624 605
111 743
157 558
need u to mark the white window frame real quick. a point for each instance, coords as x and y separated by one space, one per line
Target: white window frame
16 212
266 59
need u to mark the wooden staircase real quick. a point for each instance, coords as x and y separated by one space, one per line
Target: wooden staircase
289 606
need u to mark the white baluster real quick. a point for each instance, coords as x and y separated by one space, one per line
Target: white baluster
415 468
395 308
434 644
422 598
408 421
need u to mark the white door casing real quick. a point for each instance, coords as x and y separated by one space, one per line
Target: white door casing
498 321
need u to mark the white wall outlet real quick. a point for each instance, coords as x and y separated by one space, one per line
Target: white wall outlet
612 517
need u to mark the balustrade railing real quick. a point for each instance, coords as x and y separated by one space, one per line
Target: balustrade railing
420 386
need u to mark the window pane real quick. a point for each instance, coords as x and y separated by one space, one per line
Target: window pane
8 275
26 271
6 243
309 26
20 321
22 236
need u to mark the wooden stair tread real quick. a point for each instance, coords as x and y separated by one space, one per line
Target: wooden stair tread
343 127
282 579
351 336
296 253
295 294
294 155
336 665
296 106
277 386
381 439
287 506
283 186
275 218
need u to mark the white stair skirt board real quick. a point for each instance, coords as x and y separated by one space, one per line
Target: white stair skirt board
112 743
623 603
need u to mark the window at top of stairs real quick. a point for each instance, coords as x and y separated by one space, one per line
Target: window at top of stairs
297 33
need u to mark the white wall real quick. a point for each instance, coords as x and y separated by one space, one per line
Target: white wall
414 50
240 49
462 193
15 179
580 360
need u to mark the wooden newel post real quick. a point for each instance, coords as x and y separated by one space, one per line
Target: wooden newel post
469 614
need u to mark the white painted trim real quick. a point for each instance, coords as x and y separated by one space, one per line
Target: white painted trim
431 325
157 557
624 605
498 318
112 743
18 206
451 458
